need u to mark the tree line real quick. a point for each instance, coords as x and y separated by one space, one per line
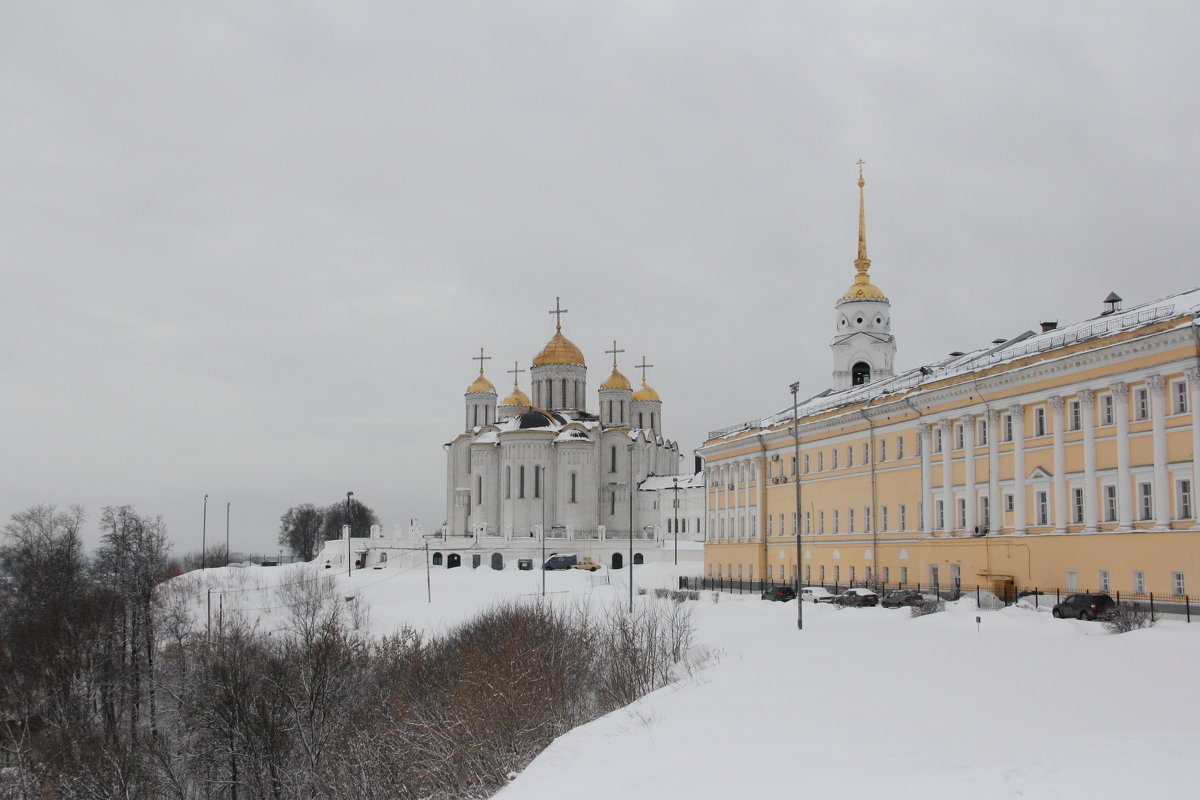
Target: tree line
304 528
115 683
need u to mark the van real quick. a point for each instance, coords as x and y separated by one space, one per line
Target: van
561 561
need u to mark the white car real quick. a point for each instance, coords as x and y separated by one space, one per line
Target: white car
816 594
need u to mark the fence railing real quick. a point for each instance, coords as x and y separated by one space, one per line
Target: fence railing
1008 594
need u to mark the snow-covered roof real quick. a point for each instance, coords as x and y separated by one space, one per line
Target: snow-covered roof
1020 346
659 482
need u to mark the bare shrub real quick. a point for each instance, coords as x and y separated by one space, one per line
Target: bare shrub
928 607
1128 617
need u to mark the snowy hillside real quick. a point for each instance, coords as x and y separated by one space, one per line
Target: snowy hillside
862 703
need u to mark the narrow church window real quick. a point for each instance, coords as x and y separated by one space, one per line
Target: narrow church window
622 412
564 393
537 482
612 503
652 420
860 373
573 487
640 421
507 483
521 483
612 466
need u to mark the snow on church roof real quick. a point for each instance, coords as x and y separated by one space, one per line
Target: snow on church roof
1025 344
657 482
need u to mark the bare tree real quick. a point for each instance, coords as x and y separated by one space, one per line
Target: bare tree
300 530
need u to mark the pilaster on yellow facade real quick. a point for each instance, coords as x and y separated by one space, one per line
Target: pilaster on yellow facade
1064 458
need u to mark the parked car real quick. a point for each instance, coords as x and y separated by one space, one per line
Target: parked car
564 561
586 563
1084 606
857 596
816 594
779 593
896 598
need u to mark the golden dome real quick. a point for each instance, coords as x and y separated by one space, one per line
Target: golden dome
863 290
517 398
481 385
616 381
645 394
559 350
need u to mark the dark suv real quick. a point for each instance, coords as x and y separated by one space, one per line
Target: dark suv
896 598
778 593
1084 606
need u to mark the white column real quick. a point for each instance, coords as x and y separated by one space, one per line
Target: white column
994 509
1091 511
1120 393
947 428
923 436
968 423
1059 512
1020 520
1162 479
1193 376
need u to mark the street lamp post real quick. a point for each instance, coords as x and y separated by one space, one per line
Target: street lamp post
204 535
675 481
349 535
796 437
632 489
542 485
227 531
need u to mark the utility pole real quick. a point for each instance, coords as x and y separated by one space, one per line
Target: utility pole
796 436
632 488
428 580
675 481
204 535
227 531
349 535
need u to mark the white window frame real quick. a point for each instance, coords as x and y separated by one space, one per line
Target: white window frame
1041 506
959 436
1145 499
1074 416
1104 581
1141 403
1139 581
1185 503
1077 505
1178 586
1108 495
1179 397
981 432
1006 426
1107 413
899 447
1040 427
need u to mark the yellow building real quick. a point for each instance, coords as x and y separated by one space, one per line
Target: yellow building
1063 458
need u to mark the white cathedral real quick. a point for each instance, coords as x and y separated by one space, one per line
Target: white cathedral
521 466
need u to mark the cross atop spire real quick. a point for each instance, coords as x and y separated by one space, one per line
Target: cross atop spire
862 263
515 371
481 358
643 367
614 352
558 312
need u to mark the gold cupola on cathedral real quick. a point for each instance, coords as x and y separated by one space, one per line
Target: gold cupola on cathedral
862 289
560 349
481 385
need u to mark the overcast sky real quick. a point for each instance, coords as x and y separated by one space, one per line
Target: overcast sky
249 249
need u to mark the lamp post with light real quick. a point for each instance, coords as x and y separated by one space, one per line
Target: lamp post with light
349 536
796 469
204 534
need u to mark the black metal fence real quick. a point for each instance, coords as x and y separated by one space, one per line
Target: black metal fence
1008 594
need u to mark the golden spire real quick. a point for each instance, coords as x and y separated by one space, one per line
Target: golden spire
862 288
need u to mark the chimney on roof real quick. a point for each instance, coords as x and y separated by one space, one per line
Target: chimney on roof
1113 301
999 341
957 353
1049 326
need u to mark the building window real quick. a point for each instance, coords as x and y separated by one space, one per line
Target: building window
1039 421
612 504
899 447
837 573
1104 581
983 432
808 522
1106 409
574 487
805 463
1183 502
1072 582
883 520
835 521
959 436
1177 586
962 512
903 521
821 573
850 455
1139 582
508 483
850 521
820 522
821 461
1141 403
1110 503
1041 501
1146 500
933 575
612 459
795 523
867 453
866 519
1074 416
985 512
770 525
886 575
1009 502
938 515
833 459
807 573
937 440
1006 427
883 450
1179 397
852 574
903 575
521 482
1077 506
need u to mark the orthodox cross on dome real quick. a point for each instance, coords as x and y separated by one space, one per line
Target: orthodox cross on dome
643 367
860 163
515 371
481 358
558 312
614 352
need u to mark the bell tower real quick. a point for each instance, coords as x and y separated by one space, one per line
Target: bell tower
863 346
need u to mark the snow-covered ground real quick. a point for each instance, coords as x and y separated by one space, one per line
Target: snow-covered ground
863 703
